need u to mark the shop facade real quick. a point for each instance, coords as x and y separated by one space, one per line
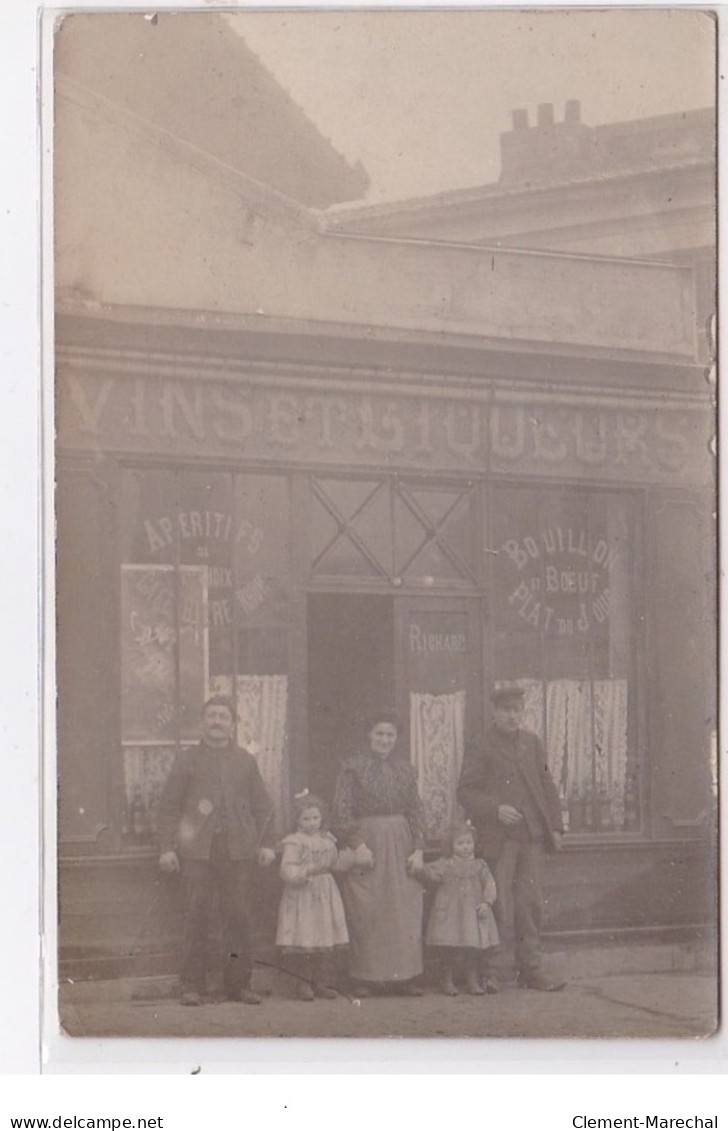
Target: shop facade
316 542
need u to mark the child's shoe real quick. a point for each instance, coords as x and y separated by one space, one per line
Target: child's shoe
304 991
448 987
472 983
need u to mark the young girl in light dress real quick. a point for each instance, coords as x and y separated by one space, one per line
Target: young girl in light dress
311 921
461 922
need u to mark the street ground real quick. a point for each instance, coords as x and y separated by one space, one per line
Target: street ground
667 1004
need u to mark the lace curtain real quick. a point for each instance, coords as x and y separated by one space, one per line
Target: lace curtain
436 744
586 725
262 706
586 744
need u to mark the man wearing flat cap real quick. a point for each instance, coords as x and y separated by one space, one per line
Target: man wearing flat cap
215 821
508 793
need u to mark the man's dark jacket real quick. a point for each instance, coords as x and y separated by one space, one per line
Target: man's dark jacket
496 770
199 798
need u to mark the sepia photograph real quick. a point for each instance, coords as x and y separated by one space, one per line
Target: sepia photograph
385 504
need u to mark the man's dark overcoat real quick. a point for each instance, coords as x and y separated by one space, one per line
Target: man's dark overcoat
497 769
209 790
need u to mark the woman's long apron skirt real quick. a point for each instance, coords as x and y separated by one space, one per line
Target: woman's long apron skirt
384 906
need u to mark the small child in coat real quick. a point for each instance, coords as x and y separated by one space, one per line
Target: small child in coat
311 921
461 921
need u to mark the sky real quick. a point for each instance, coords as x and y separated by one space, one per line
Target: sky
420 98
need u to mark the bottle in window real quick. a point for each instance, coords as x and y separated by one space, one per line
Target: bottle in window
125 811
631 812
576 812
138 823
604 809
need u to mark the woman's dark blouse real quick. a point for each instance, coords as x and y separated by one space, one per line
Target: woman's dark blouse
371 786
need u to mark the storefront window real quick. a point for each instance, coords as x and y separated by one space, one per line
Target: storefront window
434 532
204 609
394 529
565 624
351 528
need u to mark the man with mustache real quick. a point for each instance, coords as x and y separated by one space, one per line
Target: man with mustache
215 821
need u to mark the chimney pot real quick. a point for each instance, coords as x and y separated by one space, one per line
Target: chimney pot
520 119
545 113
572 112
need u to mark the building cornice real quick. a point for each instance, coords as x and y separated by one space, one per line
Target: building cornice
339 379
209 345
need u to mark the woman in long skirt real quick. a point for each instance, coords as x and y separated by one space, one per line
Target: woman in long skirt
377 805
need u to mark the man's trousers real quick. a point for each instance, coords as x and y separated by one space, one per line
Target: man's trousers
232 880
518 909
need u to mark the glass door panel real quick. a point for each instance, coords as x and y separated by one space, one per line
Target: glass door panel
439 675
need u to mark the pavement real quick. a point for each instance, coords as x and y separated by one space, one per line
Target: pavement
643 992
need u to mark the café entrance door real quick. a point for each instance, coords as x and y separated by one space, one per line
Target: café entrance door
350 670
421 654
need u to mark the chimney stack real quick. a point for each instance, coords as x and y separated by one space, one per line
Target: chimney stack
572 112
520 119
549 151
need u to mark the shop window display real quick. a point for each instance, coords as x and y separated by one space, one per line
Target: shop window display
566 625
204 609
